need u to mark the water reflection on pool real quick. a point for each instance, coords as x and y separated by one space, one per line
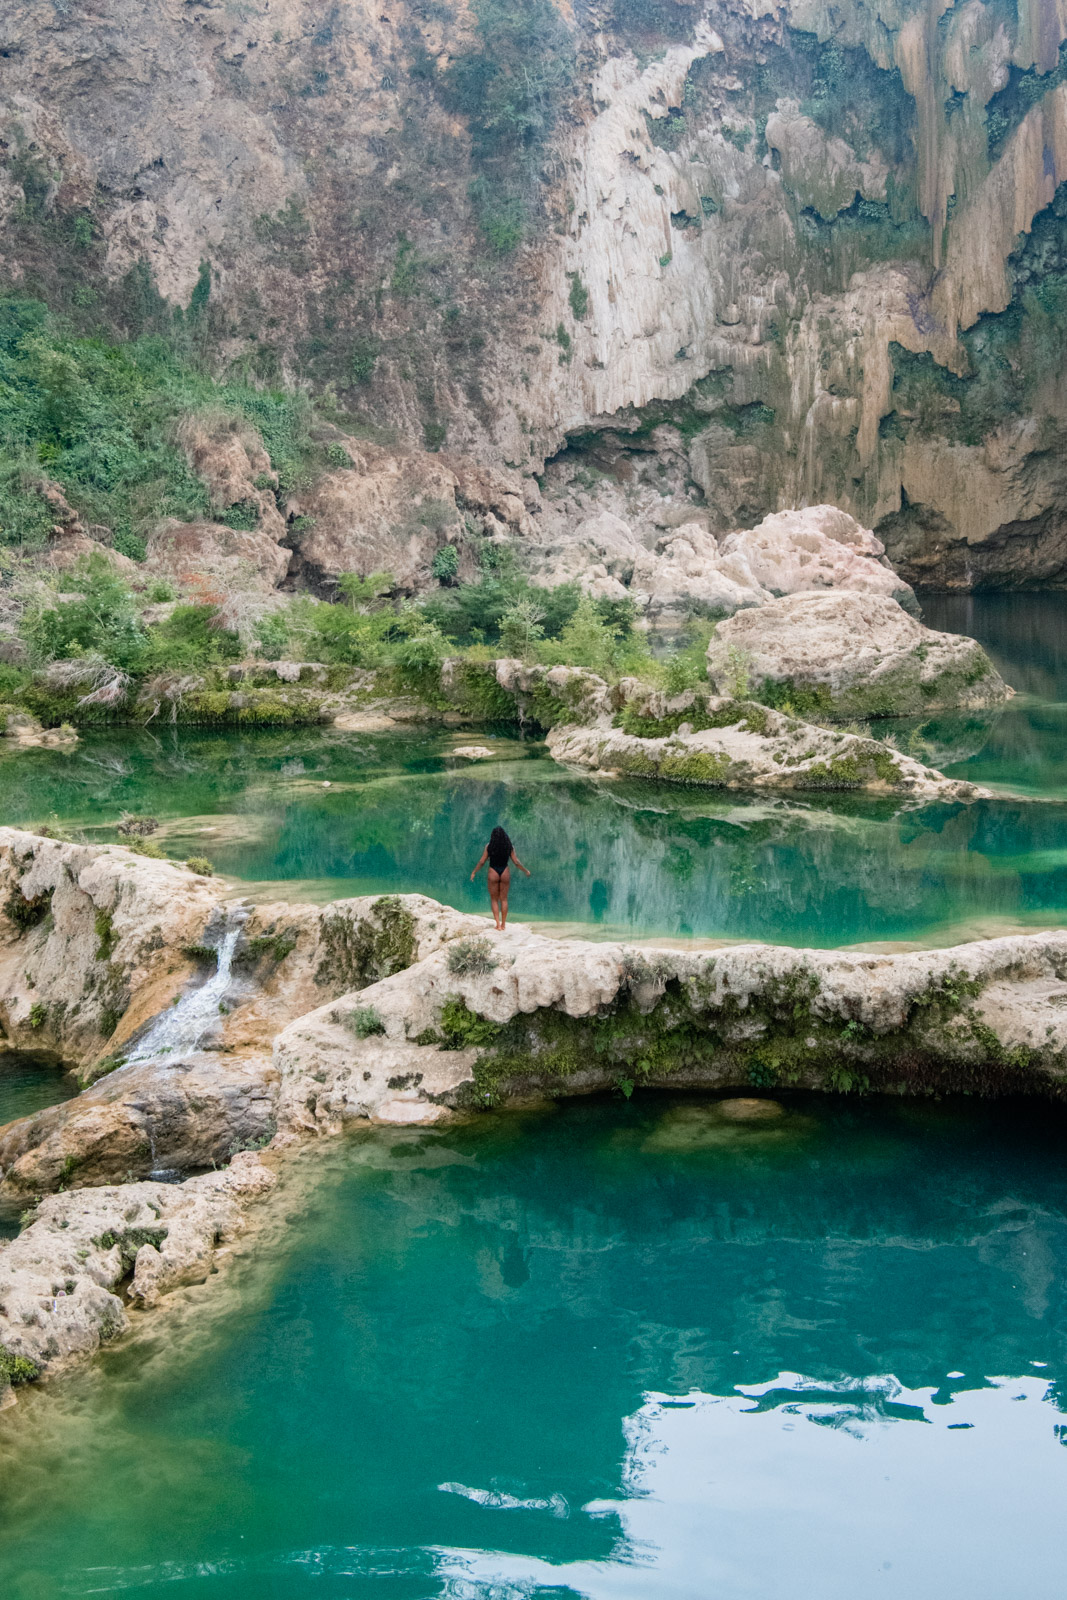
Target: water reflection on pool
570 1353
321 814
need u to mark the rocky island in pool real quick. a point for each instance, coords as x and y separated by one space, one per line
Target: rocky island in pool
638 424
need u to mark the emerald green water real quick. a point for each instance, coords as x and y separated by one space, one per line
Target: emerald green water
619 1350
28 1084
323 814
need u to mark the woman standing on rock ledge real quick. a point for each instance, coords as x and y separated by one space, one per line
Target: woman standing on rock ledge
499 852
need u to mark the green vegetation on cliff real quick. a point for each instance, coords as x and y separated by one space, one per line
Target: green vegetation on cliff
99 418
510 88
1013 355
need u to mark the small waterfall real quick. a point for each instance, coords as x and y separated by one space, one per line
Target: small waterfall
184 1025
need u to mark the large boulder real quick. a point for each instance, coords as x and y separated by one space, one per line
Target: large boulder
599 556
393 510
213 561
181 1113
689 571
847 654
819 547
692 570
737 744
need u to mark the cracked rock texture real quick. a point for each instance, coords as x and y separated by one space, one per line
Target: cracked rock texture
692 569
754 748
982 1010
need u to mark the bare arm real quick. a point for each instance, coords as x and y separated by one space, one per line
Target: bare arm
519 864
483 858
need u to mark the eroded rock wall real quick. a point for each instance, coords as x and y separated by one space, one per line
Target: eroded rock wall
733 263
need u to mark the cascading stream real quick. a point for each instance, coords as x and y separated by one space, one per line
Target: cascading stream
185 1024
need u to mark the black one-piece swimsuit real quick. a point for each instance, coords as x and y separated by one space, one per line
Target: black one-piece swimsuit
499 858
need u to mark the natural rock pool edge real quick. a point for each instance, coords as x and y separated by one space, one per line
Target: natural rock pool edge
400 1011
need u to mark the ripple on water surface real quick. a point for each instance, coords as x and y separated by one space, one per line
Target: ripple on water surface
561 1353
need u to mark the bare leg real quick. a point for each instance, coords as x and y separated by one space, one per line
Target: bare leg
505 879
494 897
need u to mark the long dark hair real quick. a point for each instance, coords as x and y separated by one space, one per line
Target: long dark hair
499 841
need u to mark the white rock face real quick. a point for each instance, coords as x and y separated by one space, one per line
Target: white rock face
819 547
861 654
177 1113
86 941
670 575
689 571
329 1076
823 173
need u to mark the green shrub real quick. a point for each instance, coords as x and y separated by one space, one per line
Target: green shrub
364 1021
107 938
272 635
98 417
469 958
242 515
445 564
16 1369
578 296
201 865
146 847
192 636
511 88
464 1029
102 621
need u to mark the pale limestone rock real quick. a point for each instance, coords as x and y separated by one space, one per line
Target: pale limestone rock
746 746
364 722
862 653
473 752
175 1114
1016 987
392 510
688 572
819 547
599 554
757 749
58 1278
691 569
824 173
105 932
101 933
329 1076
71 542
408 1112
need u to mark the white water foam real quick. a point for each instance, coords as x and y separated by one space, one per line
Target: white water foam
497 1501
184 1025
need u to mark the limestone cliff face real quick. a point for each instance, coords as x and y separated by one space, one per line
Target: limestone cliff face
716 257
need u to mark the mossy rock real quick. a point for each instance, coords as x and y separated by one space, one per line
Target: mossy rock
360 951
